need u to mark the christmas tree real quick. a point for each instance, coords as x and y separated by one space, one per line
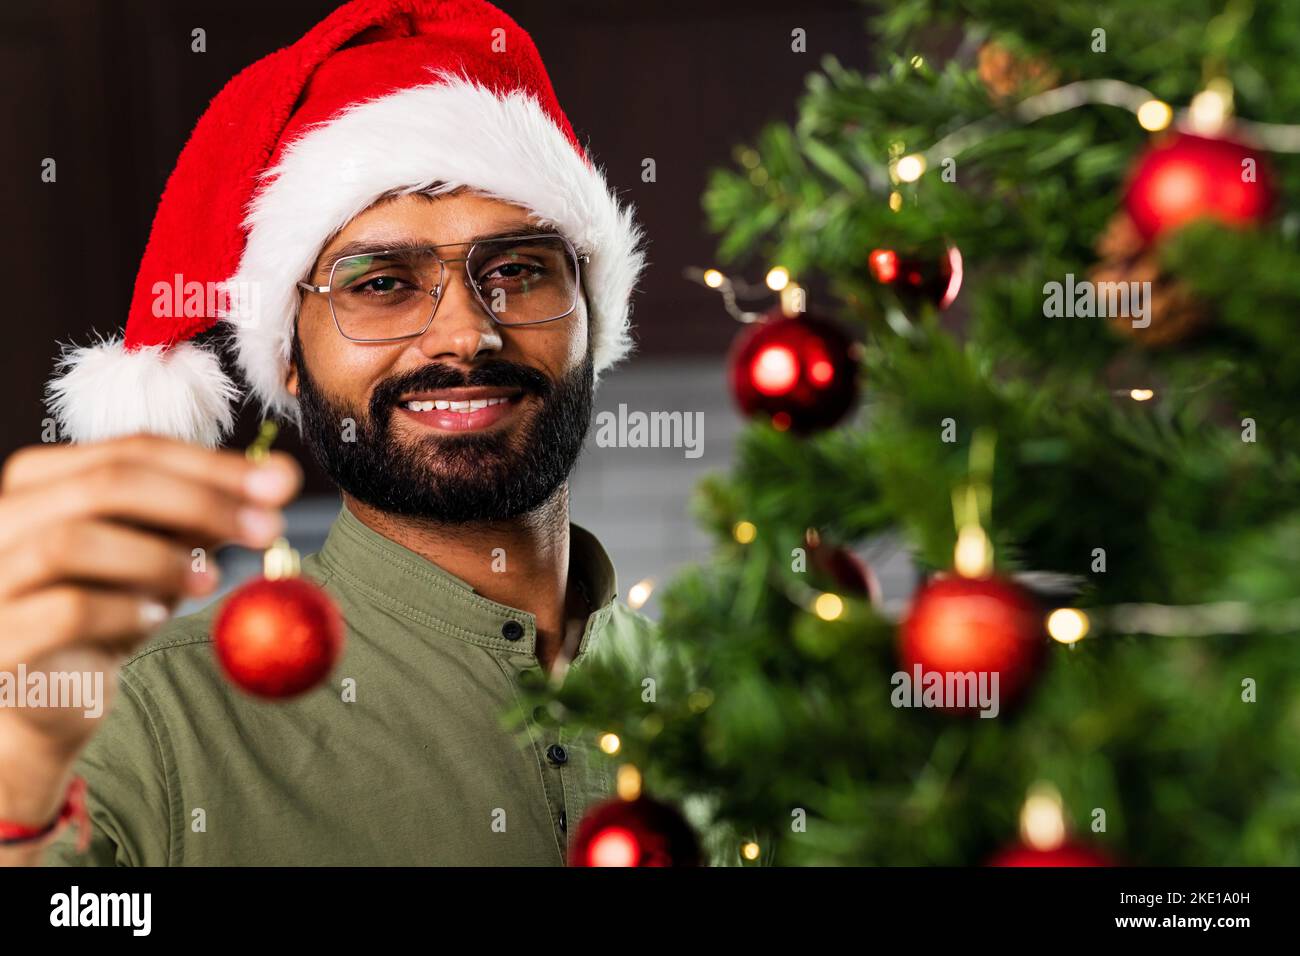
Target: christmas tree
1061 243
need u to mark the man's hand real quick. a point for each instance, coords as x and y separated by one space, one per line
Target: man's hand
96 548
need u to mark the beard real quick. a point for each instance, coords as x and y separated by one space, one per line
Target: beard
450 478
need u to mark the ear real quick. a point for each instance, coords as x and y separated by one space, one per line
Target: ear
291 376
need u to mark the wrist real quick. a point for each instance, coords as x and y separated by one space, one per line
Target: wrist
34 781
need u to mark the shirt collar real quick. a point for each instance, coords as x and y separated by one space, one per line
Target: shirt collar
385 572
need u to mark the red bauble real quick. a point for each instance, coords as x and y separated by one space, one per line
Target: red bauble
1067 854
798 369
278 638
1188 177
984 625
640 832
919 278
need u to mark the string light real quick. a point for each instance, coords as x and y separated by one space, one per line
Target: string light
627 783
713 278
777 278
973 555
1141 394
749 850
895 201
1154 115
1277 137
1042 819
639 593
610 743
910 168
1067 625
744 532
794 300
828 606
1210 108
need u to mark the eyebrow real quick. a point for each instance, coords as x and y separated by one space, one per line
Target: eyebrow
370 247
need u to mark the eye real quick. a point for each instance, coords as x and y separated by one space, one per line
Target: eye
511 272
378 285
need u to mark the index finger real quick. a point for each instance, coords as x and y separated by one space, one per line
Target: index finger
273 481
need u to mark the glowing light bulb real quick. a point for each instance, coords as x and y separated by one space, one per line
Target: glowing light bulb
1154 115
910 168
639 593
744 532
1210 108
610 743
713 278
1067 625
777 278
627 783
828 606
1042 820
973 556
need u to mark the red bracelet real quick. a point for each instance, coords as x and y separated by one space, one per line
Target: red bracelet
74 812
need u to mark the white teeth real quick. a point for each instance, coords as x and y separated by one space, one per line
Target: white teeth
442 406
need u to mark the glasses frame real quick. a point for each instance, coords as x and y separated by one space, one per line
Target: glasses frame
578 260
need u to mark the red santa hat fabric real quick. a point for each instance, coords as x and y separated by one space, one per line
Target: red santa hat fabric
383 95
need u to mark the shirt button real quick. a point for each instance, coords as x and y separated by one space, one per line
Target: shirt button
557 755
564 820
512 630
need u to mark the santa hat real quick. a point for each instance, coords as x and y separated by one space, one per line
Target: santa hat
383 95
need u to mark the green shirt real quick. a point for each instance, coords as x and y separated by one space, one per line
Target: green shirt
422 768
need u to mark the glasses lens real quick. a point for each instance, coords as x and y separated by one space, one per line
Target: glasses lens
522 281
385 296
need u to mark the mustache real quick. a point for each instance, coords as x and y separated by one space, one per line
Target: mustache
497 373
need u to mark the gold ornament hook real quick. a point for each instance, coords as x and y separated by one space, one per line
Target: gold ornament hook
280 560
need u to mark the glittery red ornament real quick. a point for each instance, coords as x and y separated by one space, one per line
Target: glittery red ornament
640 832
1187 177
980 625
1067 854
916 277
798 369
278 637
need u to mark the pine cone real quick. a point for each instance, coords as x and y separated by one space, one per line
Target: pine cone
1174 312
1006 75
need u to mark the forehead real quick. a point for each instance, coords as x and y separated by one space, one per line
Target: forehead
433 219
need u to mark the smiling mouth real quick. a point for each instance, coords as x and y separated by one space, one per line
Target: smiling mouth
461 409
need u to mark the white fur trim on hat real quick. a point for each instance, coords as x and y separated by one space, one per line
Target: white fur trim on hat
106 391
453 133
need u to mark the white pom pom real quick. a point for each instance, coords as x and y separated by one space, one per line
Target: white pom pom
105 391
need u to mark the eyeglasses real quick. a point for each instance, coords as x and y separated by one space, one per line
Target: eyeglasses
391 295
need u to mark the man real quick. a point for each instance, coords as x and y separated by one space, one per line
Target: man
422 268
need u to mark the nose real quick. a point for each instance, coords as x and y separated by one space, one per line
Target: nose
460 328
